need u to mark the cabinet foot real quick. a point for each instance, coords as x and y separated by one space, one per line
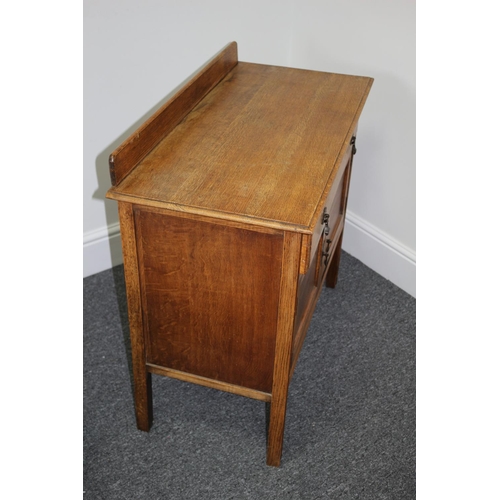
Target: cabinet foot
143 402
276 432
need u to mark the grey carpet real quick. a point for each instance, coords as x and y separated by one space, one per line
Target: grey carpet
350 427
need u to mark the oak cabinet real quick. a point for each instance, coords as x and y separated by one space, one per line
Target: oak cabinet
232 201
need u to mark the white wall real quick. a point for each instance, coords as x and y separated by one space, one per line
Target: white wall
136 53
372 38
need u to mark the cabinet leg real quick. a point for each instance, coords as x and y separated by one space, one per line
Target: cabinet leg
333 271
142 378
284 336
143 400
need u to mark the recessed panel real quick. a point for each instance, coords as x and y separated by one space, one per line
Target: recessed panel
210 297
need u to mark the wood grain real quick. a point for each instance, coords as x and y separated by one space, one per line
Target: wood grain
123 159
210 298
251 152
142 379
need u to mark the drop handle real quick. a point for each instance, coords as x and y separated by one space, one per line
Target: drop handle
326 253
326 216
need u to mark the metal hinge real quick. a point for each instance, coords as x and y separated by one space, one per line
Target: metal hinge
353 144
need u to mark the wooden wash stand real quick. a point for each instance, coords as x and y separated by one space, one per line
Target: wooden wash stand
232 201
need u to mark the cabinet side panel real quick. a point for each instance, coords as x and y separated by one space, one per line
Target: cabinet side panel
210 298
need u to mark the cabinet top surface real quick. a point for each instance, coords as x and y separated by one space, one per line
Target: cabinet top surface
262 146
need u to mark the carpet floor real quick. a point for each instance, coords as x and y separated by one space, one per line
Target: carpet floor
350 426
